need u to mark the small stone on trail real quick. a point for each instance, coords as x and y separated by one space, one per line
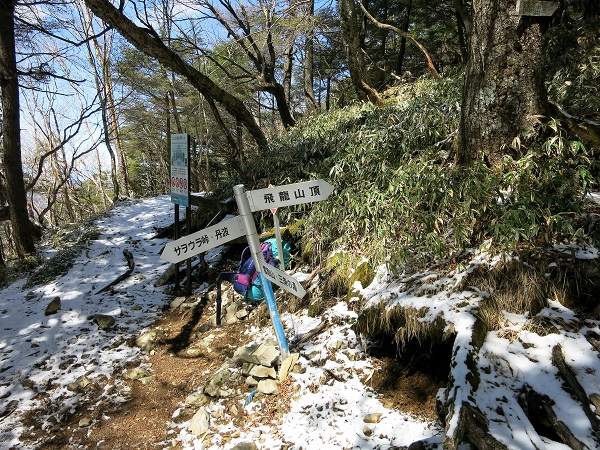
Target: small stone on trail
53 306
367 431
372 418
85 422
177 302
204 327
199 423
245 446
196 400
212 387
147 341
137 374
268 386
104 322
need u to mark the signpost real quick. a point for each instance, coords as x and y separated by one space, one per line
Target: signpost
180 169
278 235
203 240
248 202
536 8
180 193
289 194
283 280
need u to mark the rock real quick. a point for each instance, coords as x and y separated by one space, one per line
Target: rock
177 302
372 418
262 372
204 328
287 365
263 354
367 431
595 400
147 341
199 423
147 380
136 374
139 277
252 382
242 314
79 384
196 400
104 322
337 345
245 446
268 386
53 306
212 387
85 422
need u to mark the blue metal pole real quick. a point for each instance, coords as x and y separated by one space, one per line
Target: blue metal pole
274 313
257 255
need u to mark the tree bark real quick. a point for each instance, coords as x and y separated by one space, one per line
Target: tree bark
148 42
570 377
504 90
356 62
11 133
309 60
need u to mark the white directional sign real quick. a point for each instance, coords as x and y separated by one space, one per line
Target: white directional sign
289 194
536 8
282 279
203 240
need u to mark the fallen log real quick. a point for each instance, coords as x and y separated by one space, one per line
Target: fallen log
570 377
307 336
131 265
594 340
539 410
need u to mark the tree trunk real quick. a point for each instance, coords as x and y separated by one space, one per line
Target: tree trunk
356 62
405 27
11 137
504 88
309 60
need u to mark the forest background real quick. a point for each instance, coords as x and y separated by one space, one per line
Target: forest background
91 92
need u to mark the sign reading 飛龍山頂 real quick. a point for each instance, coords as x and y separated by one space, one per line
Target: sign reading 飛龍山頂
180 169
203 240
536 8
288 195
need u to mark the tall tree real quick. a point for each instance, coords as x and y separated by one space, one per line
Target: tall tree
257 37
504 89
355 52
148 41
309 58
11 133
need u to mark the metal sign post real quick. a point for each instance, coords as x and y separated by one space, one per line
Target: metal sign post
257 255
225 231
278 235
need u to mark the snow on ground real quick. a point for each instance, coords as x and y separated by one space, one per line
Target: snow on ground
40 356
40 353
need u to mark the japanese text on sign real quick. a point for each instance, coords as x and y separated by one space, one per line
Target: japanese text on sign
180 169
288 195
184 247
283 280
203 240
